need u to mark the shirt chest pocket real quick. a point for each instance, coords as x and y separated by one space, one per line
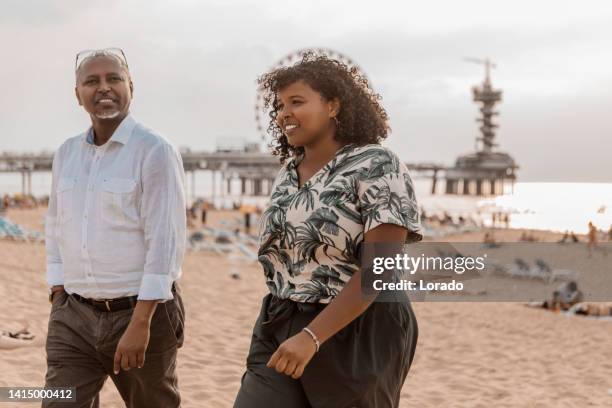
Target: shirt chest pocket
119 202
65 198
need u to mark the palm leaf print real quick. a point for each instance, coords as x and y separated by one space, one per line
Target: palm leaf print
314 290
324 219
379 198
308 240
344 163
339 195
305 195
327 275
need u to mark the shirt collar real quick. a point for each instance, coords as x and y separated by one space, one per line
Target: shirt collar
295 160
121 135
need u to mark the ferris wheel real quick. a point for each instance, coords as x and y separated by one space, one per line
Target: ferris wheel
262 114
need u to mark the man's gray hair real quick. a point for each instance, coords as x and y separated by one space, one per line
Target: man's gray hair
102 54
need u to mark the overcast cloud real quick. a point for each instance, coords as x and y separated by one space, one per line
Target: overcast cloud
195 63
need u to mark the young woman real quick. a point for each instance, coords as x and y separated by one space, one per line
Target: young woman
318 342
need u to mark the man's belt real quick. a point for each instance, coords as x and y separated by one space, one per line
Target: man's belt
113 305
109 305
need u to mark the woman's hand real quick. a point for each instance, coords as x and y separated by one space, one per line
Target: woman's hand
293 355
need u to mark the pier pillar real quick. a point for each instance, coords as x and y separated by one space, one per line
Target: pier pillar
466 187
478 187
449 186
434 181
214 186
193 184
256 187
270 185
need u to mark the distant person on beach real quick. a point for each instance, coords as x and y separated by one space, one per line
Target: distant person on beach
564 297
204 209
489 240
507 220
446 219
115 242
246 210
591 238
569 235
317 342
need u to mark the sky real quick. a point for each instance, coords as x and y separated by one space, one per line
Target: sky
195 65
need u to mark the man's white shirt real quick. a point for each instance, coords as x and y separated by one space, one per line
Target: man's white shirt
116 223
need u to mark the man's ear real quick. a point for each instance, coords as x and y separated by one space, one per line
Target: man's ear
76 93
131 89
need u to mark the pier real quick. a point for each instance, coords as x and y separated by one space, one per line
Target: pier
255 170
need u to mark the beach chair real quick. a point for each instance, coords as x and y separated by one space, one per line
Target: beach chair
563 274
542 265
12 231
247 252
521 264
521 269
554 273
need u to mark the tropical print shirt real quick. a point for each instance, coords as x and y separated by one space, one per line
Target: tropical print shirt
310 236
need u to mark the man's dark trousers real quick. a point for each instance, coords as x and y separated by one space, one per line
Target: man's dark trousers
81 344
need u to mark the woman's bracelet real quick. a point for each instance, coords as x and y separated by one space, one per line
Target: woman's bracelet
314 337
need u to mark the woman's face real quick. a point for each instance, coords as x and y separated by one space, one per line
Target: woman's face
304 115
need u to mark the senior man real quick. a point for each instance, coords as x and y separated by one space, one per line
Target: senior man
115 232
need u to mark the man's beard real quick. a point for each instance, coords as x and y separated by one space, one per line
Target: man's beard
107 115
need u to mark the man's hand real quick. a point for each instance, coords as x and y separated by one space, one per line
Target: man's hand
133 344
293 355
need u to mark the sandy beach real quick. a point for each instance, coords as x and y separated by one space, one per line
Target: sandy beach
468 354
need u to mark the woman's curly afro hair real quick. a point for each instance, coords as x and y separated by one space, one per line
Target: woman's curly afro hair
362 120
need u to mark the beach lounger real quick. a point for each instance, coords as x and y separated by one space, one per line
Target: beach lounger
16 232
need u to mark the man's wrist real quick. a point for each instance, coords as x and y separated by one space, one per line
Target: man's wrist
143 312
53 290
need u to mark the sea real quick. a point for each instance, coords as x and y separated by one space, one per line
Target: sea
550 206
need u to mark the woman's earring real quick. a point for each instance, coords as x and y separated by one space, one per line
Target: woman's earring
337 121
